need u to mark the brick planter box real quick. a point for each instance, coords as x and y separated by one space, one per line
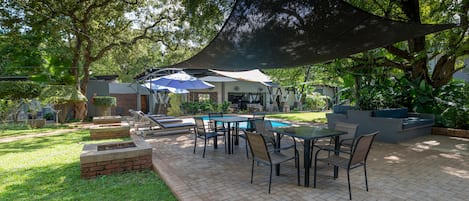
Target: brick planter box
107 120
37 123
109 131
115 157
450 132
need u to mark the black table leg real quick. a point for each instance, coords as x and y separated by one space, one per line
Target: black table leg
215 143
307 161
237 133
336 147
277 167
229 139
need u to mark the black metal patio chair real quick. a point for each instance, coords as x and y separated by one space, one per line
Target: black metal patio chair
358 156
261 154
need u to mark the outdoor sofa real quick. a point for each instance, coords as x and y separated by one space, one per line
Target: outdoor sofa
395 125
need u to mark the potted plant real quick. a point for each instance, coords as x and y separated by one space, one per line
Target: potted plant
103 104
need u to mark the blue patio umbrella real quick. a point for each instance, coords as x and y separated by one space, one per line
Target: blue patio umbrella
164 88
181 80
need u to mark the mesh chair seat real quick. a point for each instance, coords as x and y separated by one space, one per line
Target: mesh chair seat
261 154
203 133
358 157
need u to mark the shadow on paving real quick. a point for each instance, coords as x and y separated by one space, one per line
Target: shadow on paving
395 172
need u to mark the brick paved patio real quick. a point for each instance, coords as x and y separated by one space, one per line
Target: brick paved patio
429 168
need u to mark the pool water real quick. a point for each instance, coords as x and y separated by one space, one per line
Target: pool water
244 124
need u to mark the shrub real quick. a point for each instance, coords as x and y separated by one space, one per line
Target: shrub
109 101
15 90
175 105
316 102
452 105
13 94
190 107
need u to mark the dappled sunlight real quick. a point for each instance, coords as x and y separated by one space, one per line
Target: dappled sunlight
182 138
462 147
425 145
452 156
460 139
432 142
456 172
393 159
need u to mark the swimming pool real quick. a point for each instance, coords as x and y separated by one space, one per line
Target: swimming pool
244 124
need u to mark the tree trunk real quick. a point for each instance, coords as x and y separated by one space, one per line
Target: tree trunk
443 72
81 108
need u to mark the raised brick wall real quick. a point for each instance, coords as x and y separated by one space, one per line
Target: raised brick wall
111 131
95 169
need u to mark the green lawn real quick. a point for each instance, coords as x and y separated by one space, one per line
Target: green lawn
319 117
12 130
48 168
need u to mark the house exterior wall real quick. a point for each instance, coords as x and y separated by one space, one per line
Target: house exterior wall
124 103
98 87
223 90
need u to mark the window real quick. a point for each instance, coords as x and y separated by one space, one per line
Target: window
204 97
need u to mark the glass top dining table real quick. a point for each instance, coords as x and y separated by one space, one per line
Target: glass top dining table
308 134
231 120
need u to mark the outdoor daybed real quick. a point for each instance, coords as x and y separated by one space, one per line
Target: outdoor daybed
395 125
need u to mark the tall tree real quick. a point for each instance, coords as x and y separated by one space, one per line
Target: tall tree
446 49
93 28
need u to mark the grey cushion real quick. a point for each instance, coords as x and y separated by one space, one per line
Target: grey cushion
391 113
412 122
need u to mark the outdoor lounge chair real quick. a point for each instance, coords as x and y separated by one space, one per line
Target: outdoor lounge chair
158 128
261 154
357 158
142 122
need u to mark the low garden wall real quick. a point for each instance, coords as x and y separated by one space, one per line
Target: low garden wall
450 132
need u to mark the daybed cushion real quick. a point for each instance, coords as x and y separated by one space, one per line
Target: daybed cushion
178 125
342 109
412 122
391 113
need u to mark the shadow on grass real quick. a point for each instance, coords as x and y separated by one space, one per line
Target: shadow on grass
63 182
32 144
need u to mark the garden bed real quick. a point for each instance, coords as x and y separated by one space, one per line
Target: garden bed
37 123
115 157
450 132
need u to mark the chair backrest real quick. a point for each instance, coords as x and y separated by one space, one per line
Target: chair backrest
199 126
350 128
258 115
258 147
263 127
212 122
214 114
140 115
362 148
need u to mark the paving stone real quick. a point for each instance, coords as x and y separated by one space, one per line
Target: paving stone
395 172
